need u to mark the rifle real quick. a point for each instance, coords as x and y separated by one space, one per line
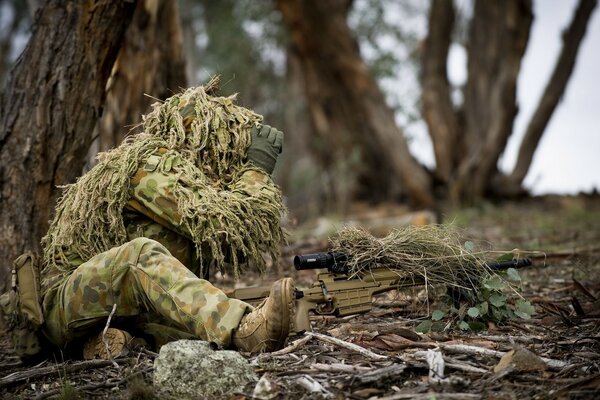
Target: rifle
337 293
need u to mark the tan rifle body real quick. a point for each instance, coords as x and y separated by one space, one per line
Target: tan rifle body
334 294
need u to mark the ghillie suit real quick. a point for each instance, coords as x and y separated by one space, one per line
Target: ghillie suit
184 182
201 142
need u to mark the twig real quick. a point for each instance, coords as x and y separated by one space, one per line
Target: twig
290 348
428 396
422 355
21 376
338 367
348 345
106 345
480 351
92 386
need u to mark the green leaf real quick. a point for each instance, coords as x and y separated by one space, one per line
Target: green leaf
513 274
470 246
494 283
497 300
437 315
473 312
525 307
522 315
424 326
483 308
463 325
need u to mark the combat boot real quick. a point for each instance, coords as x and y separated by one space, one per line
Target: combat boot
269 324
117 341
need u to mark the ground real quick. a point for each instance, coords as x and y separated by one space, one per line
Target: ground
555 354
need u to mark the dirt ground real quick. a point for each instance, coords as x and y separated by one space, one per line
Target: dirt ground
556 354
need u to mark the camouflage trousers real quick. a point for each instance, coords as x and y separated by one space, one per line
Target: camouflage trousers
146 284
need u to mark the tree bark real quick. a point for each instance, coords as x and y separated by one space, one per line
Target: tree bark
348 110
150 66
498 38
555 88
48 110
438 111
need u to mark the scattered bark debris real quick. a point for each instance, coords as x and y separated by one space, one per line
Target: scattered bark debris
378 355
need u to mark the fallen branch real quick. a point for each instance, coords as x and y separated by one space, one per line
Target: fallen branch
21 376
480 351
347 345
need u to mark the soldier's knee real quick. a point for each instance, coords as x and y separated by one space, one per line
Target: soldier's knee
145 245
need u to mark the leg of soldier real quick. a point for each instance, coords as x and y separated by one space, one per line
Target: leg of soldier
139 277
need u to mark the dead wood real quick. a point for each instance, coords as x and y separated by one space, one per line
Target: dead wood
62 368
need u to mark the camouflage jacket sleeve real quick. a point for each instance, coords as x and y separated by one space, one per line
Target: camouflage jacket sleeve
153 191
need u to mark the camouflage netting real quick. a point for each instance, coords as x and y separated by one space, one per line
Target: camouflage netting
432 255
211 135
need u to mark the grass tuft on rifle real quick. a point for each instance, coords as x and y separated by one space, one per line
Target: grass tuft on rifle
432 255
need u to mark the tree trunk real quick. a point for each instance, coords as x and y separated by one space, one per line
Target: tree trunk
48 110
150 66
498 38
438 111
348 110
555 88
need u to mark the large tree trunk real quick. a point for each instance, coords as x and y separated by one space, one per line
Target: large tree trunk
48 110
554 90
498 38
348 110
438 111
150 66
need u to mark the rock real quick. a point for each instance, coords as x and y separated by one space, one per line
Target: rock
191 369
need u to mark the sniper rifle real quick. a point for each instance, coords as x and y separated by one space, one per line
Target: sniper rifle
338 293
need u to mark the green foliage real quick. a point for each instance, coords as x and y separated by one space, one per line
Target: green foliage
496 301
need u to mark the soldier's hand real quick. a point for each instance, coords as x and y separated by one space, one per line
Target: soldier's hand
266 145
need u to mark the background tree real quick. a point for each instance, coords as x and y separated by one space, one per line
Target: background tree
469 139
348 110
48 110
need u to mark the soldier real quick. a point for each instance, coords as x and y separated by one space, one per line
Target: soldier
132 236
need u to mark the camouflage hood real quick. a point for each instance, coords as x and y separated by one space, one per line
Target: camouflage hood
211 136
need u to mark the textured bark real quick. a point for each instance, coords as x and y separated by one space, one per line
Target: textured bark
346 106
555 88
438 111
150 66
48 110
497 42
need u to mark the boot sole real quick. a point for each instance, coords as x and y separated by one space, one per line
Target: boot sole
288 299
117 340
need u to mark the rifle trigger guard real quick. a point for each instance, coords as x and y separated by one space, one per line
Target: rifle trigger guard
326 295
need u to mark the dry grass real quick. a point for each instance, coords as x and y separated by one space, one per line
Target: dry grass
434 255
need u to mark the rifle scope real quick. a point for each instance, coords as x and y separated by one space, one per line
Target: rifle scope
334 262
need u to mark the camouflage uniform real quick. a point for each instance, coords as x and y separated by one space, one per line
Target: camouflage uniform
151 278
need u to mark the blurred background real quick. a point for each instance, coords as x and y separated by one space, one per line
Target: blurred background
403 103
